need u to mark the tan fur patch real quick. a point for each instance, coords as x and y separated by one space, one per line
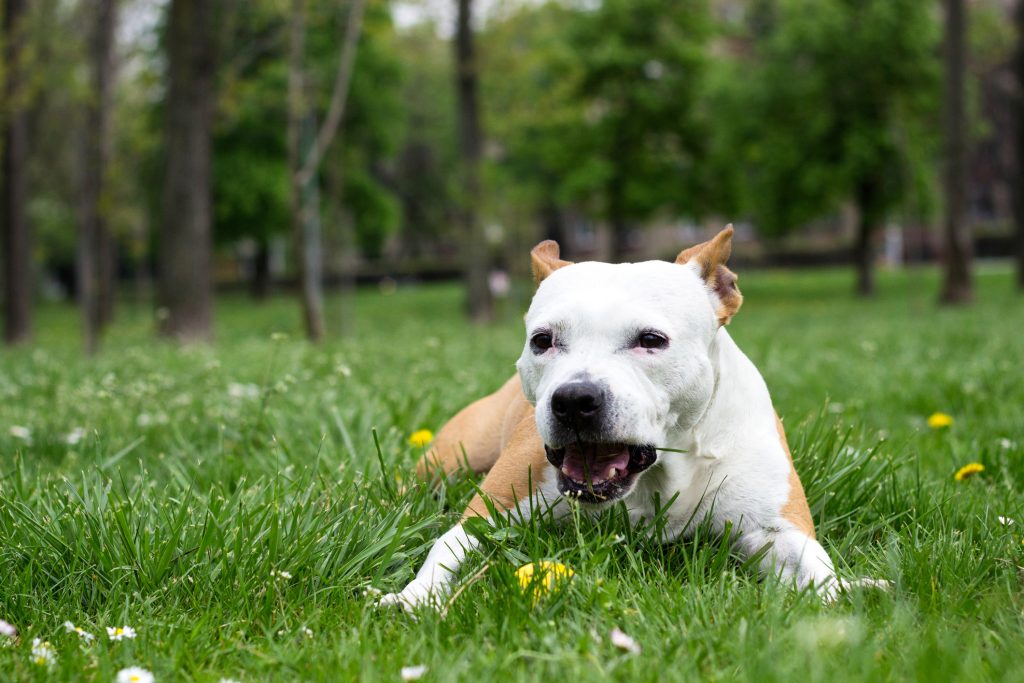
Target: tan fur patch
521 468
795 509
544 260
474 437
711 256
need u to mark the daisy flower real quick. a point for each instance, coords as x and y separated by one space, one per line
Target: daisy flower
82 633
969 470
20 432
74 436
623 641
7 629
413 673
43 653
121 633
134 674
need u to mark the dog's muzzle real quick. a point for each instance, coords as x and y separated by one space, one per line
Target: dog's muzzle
599 472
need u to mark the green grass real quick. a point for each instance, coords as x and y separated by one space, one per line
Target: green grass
204 471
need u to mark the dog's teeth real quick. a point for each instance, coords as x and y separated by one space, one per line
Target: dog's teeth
612 473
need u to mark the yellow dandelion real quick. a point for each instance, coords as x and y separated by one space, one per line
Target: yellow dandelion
542 577
421 437
940 420
969 470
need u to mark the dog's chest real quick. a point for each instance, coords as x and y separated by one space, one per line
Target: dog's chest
679 488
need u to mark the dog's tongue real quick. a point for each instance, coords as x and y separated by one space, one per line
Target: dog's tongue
597 461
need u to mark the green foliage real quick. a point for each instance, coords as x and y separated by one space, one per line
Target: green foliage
251 164
201 472
837 102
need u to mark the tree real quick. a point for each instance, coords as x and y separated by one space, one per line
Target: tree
1018 108
849 87
95 259
642 141
17 236
306 148
957 287
185 261
476 263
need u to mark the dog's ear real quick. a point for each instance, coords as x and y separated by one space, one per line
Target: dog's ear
709 259
544 260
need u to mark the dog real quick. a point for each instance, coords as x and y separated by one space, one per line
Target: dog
623 366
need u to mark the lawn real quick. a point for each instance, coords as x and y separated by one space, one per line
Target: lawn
238 504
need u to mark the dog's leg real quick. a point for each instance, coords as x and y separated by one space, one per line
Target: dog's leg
791 556
437 572
473 438
521 479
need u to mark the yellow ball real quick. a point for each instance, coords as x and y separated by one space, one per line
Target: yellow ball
542 577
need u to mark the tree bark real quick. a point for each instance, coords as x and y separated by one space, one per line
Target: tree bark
1017 186
260 286
306 148
957 287
95 277
476 264
17 236
185 279
865 257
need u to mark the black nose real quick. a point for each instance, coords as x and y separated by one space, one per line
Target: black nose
578 404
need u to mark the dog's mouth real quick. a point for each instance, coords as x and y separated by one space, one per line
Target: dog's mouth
599 472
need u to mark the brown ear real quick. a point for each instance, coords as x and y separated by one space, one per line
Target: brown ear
544 260
710 258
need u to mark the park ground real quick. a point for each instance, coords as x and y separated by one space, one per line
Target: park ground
231 505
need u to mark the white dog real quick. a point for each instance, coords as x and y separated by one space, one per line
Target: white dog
621 363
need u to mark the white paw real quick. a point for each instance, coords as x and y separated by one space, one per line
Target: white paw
412 596
833 588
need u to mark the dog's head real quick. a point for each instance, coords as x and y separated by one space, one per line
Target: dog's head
617 359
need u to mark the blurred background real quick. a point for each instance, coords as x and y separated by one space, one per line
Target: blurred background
163 153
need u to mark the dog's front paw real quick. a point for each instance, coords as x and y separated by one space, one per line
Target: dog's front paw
412 596
834 587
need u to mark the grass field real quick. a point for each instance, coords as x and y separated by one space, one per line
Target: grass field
228 502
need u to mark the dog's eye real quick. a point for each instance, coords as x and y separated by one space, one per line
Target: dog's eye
651 340
541 342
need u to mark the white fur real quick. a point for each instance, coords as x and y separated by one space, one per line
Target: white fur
701 394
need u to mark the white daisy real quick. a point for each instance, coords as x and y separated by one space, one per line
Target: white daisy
43 653
74 436
623 641
134 674
82 633
121 633
20 432
7 629
413 673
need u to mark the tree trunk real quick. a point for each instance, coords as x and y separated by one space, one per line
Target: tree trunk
260 286
865 257
95 281
17 237
1017 186
185 279
304 236
957 287
552 219
306 148
480 304
617 223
